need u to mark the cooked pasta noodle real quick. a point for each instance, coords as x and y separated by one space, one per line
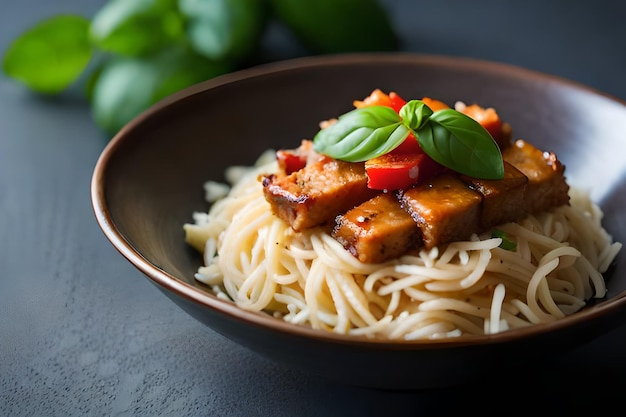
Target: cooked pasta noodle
472 287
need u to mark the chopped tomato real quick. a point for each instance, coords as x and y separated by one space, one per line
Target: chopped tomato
379 98
376 98
290 161
393 100
435 105
410 145
396 102
394 171
487 117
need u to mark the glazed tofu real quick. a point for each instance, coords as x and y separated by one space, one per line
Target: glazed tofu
315 194
445 210
546 186
375 226
377 230
503 200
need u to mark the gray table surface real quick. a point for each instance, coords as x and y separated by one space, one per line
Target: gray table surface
83 333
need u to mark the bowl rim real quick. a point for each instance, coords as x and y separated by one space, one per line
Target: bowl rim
205 299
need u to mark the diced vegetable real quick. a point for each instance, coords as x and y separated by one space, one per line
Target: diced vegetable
435 105
487 117
410 145
379 98
396 102
376 98
290 161
394 171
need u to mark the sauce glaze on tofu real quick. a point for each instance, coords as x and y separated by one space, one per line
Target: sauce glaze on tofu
313 190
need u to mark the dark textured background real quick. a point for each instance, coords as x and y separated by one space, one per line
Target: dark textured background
83 333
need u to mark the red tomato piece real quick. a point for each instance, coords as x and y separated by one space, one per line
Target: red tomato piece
379 98
396 102
394 171
290 161
487 117
435 105
410 145
376 98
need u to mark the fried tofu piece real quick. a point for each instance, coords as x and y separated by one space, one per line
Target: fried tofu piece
315 194
445 209
546 186
503 200
377 230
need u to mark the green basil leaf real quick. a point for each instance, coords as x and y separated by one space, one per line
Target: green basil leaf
224 29
137 27
460 143
334 26
415 114
126 86
91 80
362 134
50 56
507 243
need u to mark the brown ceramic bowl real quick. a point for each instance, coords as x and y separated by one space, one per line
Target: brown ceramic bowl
149 180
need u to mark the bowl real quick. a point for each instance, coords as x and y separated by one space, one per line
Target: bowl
149 180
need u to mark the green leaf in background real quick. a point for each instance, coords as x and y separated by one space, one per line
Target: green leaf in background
224 29
148 49
51 55
334 26
137 27
126 86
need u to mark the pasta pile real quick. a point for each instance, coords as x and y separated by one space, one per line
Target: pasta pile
471 287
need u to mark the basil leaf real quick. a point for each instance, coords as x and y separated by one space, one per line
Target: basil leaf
51 55
126 86
507 243
224 29
415 114
460 143
137 27
332 26
362 134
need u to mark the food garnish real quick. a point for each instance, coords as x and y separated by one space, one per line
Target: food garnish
450 137
444 176
507 243
145 50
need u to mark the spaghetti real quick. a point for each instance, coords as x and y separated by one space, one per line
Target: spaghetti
471 287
